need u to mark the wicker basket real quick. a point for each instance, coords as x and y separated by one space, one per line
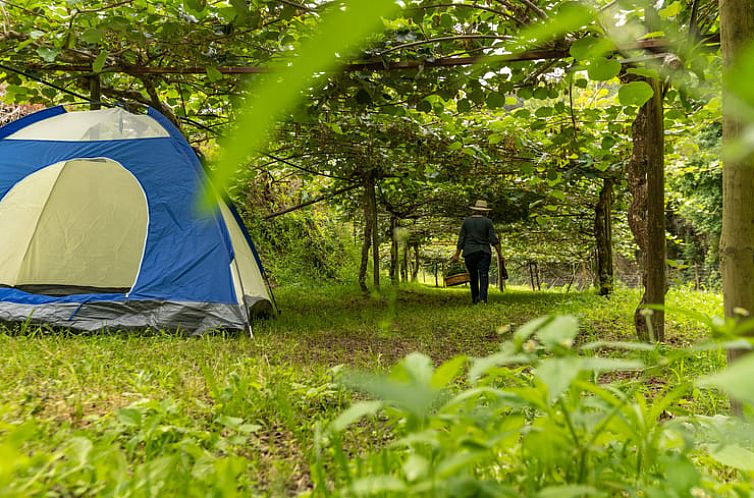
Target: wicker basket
458 279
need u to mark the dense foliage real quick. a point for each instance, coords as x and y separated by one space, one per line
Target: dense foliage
401 115
435 135
538 419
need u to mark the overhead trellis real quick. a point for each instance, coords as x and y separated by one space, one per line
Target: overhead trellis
427 37
656 47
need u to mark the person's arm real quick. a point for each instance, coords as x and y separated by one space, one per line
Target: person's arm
461 242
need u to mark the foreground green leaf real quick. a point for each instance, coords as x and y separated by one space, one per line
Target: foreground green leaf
636 93
341 30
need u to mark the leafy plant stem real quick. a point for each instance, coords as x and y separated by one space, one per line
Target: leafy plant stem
576 440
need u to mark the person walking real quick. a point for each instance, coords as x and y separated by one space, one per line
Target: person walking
476 236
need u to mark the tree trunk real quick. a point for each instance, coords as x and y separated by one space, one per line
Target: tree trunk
375 231
500 279
603 235
646 215
394 250
367 241
95 93
531 275
404 266
415 270
737 241
656 251
150 85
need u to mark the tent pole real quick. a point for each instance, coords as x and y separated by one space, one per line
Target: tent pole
272 294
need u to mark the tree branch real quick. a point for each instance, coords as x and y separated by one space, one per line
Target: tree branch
104 7
313 201
446 38
306 170
16 6
468 5
693 28
149 86
654 45
298 6
535 8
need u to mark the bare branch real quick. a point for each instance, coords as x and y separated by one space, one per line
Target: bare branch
444 39
298 6
535 8
329 195
302 168
104 7
654 45
468 5
21 7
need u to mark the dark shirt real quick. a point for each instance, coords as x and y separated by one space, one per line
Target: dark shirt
477 233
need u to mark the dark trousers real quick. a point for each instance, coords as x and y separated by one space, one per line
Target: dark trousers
478 264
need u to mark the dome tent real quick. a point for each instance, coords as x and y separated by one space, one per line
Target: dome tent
99 227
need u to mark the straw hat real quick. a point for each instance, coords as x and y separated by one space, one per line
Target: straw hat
480 206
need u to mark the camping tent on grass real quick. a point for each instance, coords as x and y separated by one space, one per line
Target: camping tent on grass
99 227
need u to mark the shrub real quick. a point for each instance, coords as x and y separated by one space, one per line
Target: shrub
538 418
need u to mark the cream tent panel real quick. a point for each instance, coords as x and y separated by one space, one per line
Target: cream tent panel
90 232
107 124
248 271
20 211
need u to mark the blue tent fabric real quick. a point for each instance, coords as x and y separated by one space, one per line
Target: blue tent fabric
188 252
18 124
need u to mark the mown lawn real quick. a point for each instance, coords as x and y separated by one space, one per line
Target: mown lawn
156 413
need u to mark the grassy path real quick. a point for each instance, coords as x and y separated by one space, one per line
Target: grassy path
339 325
254 401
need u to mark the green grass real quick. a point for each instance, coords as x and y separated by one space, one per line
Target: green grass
195 404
